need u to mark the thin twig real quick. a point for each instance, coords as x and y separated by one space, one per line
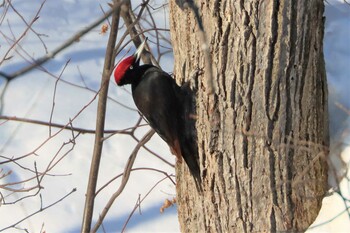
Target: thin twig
66 44
125 179
29 26
54 135
40 210
153 153
138 203
130 22
135 169
35 18
54 95
41 68
126 14
66 126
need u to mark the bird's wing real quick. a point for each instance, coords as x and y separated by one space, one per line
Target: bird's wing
160 106
167 131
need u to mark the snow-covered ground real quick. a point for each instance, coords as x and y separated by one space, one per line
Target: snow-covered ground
31 96
333 216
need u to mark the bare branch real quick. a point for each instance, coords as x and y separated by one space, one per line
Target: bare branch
54 95
40 210
125 179
35 18
101 111
66 127
135 169
54 135
65 45
153 153
138 203
130 22
29 26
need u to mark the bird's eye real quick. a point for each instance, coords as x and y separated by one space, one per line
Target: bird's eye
131 67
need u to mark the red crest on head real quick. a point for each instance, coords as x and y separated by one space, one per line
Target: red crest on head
122 67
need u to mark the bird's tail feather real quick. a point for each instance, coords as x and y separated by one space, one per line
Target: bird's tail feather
191 161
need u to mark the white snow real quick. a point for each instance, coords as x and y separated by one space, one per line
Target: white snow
31 96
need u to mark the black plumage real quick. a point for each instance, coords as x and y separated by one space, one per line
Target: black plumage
163 104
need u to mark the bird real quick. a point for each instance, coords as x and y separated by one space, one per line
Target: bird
163 105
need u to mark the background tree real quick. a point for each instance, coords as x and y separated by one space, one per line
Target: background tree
263 133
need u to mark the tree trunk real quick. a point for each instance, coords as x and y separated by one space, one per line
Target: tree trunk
263 134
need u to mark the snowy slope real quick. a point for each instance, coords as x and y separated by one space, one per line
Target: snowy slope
31 96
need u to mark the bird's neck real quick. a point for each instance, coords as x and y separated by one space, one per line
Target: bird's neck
138 74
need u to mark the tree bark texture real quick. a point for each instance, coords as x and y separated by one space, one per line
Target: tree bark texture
263 135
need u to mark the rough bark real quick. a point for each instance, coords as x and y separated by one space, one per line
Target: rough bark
263 135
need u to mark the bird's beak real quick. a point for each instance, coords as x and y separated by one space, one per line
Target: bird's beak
139 50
